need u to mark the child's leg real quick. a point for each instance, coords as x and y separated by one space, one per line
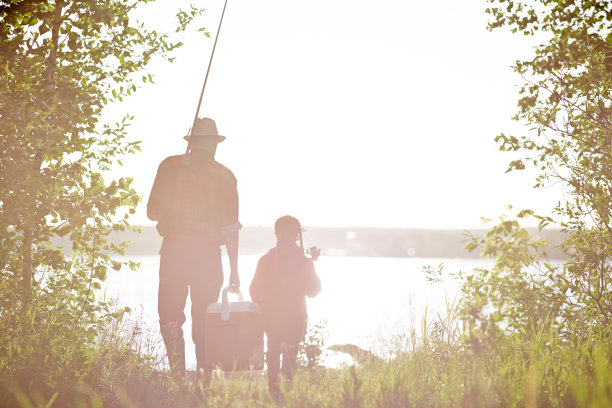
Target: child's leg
273 362
290 352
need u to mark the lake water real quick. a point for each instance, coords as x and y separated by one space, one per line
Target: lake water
363 300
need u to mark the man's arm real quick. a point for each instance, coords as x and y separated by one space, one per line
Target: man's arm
230 229
231 237
154 205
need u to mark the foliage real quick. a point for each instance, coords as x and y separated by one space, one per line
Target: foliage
514 296
567 101
125 367
62 62
538 330
430 366
434 371
311 349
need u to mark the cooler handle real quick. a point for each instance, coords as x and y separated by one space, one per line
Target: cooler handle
225 312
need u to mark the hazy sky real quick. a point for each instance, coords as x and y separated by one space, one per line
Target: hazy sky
345 112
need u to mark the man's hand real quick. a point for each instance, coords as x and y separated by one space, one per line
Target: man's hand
230 233
234 282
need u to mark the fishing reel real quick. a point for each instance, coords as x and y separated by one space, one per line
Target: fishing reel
314 253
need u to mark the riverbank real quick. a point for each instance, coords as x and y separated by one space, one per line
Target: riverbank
440 369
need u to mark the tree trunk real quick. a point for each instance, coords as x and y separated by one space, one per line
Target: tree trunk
52 60
27 265
28 246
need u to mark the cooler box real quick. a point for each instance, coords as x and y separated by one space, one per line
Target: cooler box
234 335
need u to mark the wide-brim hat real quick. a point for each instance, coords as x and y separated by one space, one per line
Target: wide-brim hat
205 127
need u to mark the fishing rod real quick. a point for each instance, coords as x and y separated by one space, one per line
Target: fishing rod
212 54
313 252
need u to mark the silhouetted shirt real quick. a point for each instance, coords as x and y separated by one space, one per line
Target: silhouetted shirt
283 279
193 195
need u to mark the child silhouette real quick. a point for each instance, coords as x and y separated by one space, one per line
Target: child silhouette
283 278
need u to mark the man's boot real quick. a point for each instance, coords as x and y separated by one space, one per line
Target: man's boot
175 348
274 384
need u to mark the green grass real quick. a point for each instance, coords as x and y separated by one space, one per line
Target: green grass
436 367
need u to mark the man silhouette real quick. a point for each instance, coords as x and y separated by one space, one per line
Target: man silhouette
194 200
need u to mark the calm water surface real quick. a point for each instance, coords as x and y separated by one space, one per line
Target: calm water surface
364 300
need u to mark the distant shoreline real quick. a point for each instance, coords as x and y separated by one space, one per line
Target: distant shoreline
370 242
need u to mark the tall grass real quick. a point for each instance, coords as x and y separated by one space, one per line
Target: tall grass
434 365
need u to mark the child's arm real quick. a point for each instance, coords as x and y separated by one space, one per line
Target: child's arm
312 281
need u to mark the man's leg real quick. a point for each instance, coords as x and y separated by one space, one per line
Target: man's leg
206 279
290 352
171 299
